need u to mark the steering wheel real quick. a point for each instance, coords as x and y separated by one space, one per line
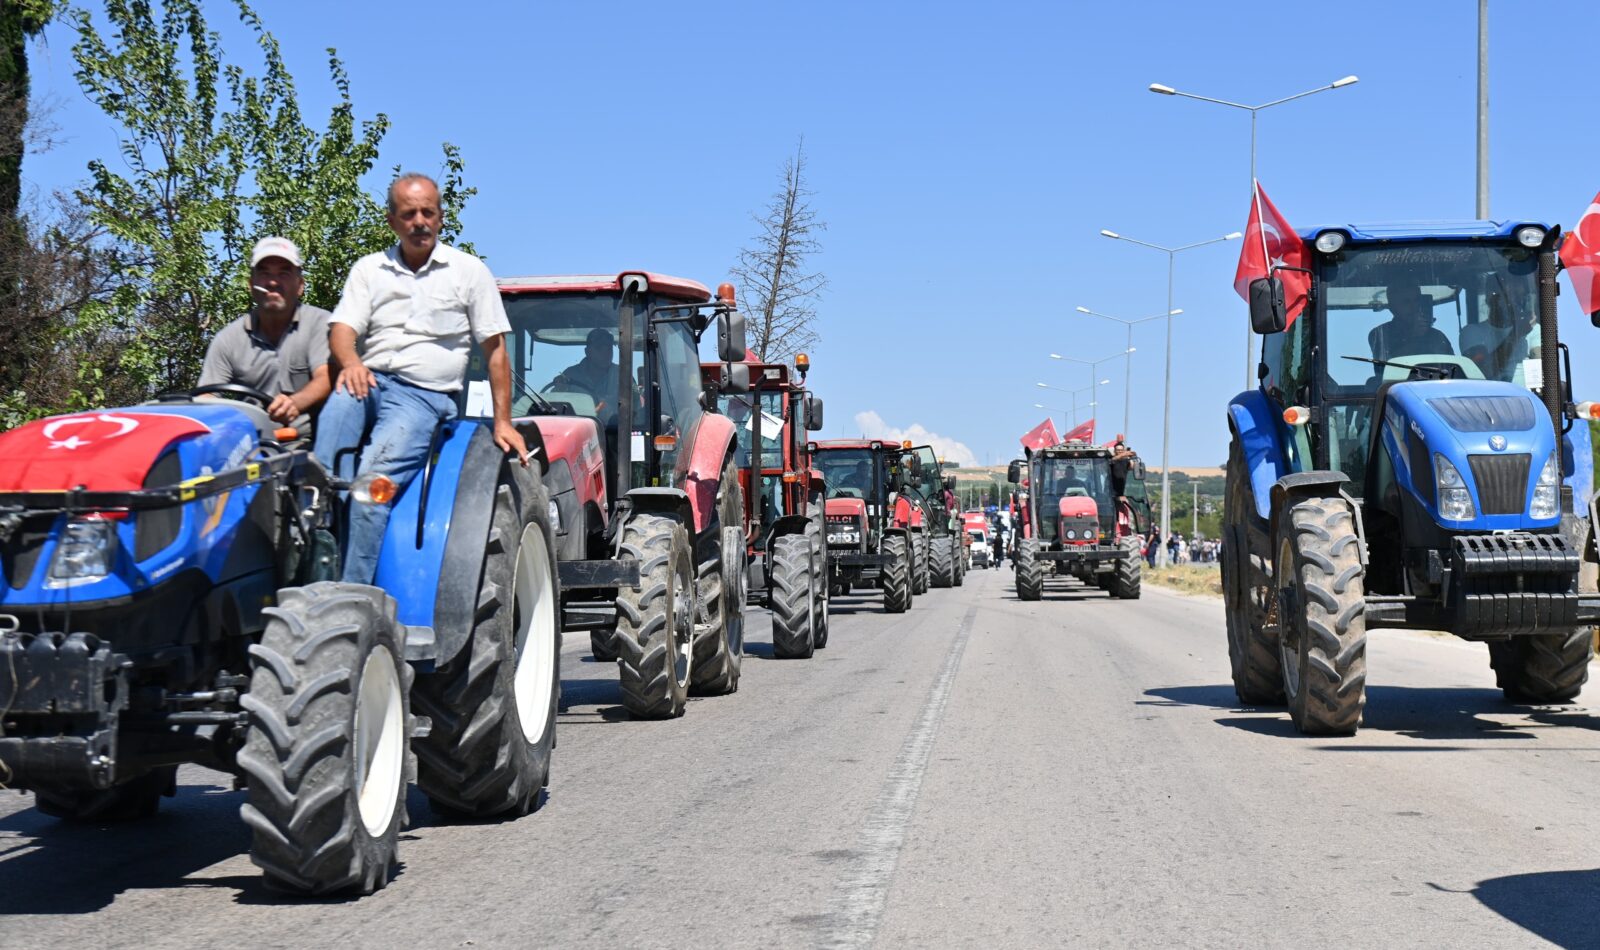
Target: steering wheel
233 389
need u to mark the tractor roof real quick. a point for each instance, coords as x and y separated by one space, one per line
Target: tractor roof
1426 230
827 444
677 288
1075 450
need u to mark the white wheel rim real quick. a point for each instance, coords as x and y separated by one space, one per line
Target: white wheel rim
681 614
534 614
380 742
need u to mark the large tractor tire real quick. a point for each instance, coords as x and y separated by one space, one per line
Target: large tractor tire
325 750
794 598
921 574
602 644
655 624
1248 593
493 706
720 596
818 539
1126 579
896 578
1322 599
963 559
1030 570
941 562
1545 667
128 801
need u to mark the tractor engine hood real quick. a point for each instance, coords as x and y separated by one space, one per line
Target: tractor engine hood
1490 439
845 508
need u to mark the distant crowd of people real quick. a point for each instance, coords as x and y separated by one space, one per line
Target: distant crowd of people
1181 550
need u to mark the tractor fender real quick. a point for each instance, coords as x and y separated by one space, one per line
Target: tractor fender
1293 488
1258 430
788 524
672 502
702 468
435 583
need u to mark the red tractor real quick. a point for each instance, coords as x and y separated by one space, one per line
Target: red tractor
874 526
1082 512
783 494
642 481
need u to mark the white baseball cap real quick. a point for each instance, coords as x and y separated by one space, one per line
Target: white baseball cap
276 247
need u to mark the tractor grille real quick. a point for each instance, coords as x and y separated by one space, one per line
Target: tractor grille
1502 482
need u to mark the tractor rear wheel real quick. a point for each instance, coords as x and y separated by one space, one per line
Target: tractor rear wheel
921 575
493 705
1125 580
655 624
325 750
127 801
963 559
1248 593
720 596
941 562
1322 600
1030 570
1545 667
896 577
819 570
793 587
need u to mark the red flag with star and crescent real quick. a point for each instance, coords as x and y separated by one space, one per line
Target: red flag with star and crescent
1580 254
1269 245
1083 433
1041 435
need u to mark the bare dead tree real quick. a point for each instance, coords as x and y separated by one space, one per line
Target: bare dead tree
780 296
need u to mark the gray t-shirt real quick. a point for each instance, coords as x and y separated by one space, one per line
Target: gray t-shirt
238 354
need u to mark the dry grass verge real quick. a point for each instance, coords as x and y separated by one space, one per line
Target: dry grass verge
1205 579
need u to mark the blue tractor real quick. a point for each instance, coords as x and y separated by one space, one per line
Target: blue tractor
1412 458
169 597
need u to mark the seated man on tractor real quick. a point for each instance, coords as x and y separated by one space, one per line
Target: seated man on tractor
417 306
1410 331
280 348
1070 480
596 373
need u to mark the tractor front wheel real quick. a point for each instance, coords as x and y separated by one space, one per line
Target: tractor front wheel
793 587
1126 579
1030 570
655 624
1322 600
720 596
942 563
896 577
819 570
1544 667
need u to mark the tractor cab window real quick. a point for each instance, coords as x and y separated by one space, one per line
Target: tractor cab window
930 485
740 409
847 472
1068 477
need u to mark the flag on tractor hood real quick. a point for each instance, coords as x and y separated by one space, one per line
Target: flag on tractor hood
1083 433
1041 435
1269 242
1580 254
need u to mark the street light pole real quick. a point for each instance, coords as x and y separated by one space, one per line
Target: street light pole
1166 408
1483 110
1159 89
1127 379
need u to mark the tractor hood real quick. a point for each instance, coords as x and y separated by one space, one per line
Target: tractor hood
845 508
1078 506
1496 436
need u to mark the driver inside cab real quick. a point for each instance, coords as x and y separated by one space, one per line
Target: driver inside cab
596 373
1410 330
1070 480
280 347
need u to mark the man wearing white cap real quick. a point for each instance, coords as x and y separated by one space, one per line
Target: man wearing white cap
281 346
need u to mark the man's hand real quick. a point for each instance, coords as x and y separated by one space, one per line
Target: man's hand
283 409
510 441
356 379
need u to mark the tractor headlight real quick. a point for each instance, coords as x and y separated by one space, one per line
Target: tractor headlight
1071 534
1330 241
83 553
1455 501
1546 490
1530 236
554 512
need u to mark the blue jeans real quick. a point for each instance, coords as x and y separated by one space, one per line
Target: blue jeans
403 419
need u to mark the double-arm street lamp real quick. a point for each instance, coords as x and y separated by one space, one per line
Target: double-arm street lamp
1166 409
1127 377
1094 370
1159 89
1074 394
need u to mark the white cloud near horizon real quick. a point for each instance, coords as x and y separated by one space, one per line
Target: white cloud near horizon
951 450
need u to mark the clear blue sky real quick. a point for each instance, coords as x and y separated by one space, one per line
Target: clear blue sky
964 156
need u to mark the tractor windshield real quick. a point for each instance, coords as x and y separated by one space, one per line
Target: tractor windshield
929 484
1466 309
739 407
848 473
1063 477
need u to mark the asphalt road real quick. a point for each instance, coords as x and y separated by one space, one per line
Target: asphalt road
977 772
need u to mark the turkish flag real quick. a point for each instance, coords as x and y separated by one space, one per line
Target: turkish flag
1041 435
1580 254
1270 243
1083 433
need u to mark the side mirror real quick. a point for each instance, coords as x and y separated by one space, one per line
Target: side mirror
1268 314
736 377
950 483
813 414
1014 472
1137 469
730 337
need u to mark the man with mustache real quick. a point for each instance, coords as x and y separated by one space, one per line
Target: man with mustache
415 308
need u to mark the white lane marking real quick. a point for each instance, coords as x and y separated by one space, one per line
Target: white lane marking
857 904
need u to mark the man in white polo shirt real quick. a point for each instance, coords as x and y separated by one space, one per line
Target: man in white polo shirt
417 307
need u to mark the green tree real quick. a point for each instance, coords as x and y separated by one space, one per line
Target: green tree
211 158
19 20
